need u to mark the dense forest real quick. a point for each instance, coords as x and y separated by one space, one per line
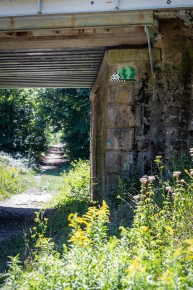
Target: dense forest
29 118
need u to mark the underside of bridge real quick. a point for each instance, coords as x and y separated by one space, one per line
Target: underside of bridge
65 50
139 65
70 68
40 49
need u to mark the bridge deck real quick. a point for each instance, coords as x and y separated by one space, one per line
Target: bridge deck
33 7
61 43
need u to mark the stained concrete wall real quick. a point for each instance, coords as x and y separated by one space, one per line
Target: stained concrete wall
135 120
98 135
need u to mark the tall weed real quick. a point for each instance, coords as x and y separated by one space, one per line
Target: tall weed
15 176
73 197
9 182
156 253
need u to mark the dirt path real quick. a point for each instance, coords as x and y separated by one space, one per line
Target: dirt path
54 158
17 213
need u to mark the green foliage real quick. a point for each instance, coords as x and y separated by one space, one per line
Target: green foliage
30 117
72 197
75 185
9 182
21 124
14 175
54 138
156 253
67 111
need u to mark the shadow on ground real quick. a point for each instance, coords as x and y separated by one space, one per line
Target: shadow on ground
15 228
55 171
17 213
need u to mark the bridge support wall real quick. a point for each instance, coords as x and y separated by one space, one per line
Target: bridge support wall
144 116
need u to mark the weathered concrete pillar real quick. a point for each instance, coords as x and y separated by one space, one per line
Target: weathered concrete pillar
173 87
140 116
116 114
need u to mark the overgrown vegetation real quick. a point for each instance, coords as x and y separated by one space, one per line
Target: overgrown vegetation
15 176
30 117
72 197
21 125
75 185
155 253
64 181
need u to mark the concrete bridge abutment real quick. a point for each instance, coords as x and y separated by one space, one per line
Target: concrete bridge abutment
137 115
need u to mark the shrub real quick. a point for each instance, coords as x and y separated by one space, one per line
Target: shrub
9 183
72 197
13 175
76 182
156 253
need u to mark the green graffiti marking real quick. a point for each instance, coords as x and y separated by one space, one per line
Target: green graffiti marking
126 73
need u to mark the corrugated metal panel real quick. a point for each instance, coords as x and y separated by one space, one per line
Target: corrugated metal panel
72 68
33 7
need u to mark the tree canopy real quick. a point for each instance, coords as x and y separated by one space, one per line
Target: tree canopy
29 116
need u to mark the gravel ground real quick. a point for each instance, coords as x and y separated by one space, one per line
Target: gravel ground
18 212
